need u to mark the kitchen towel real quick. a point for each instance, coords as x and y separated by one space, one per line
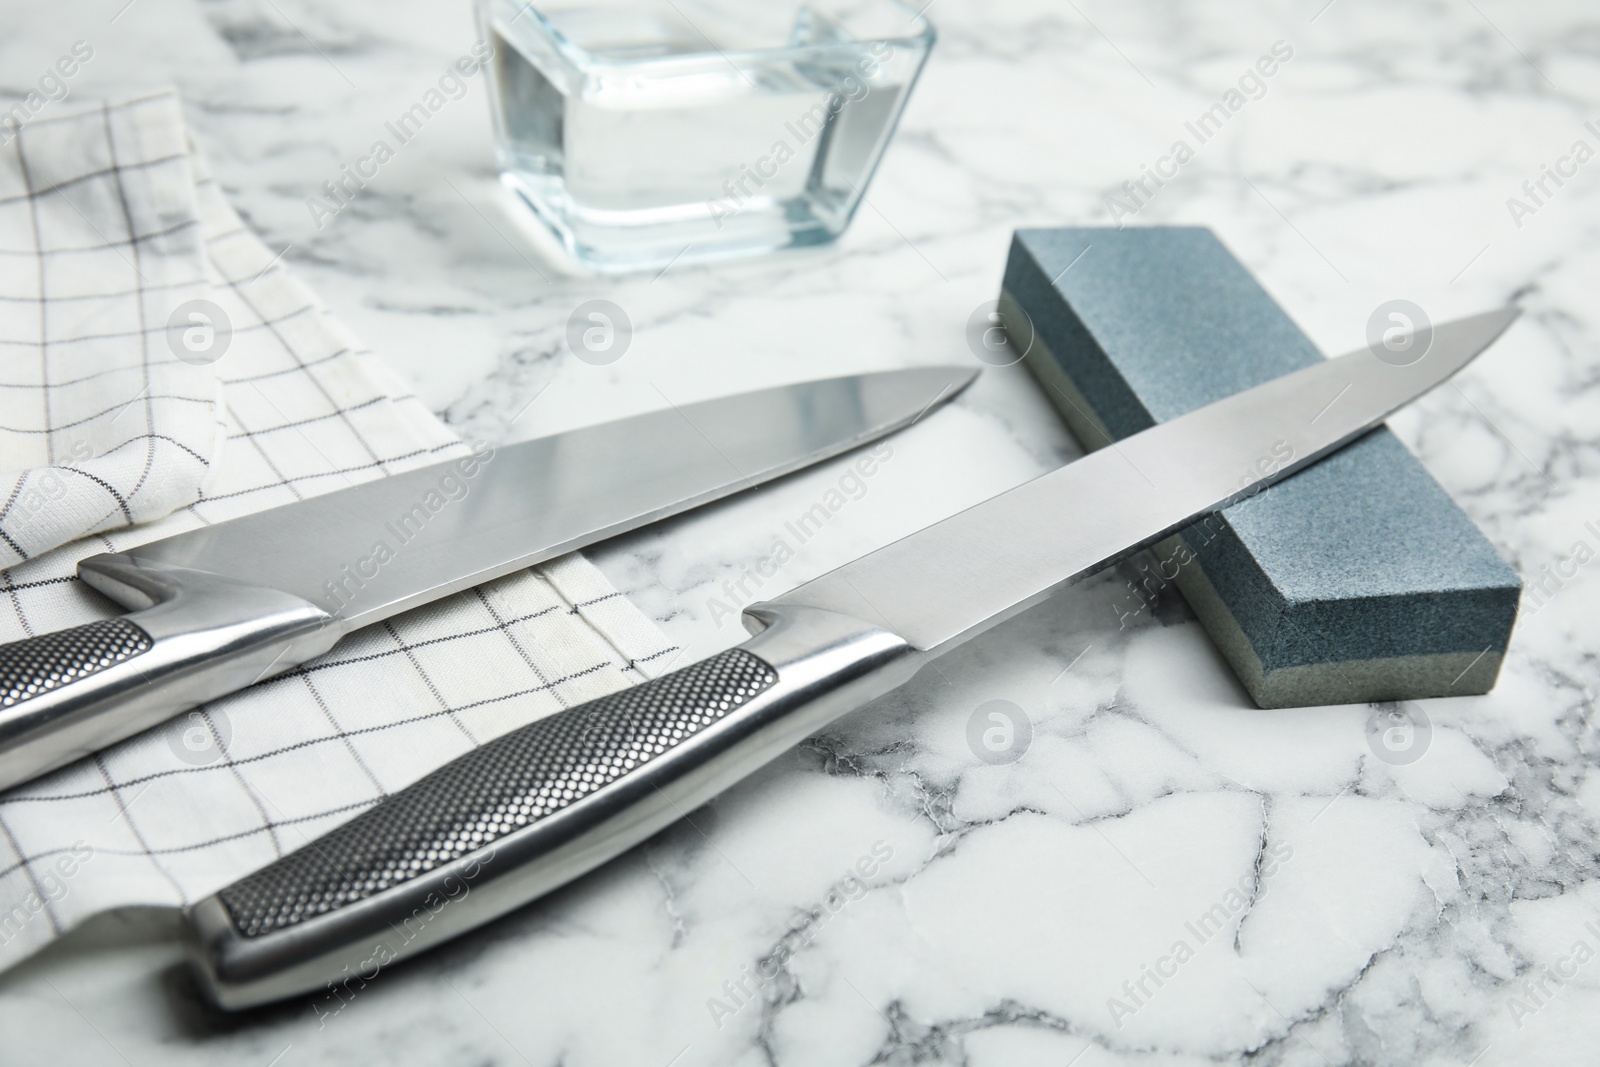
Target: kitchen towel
99 426
110 229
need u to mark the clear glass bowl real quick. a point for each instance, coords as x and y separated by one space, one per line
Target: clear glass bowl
647 131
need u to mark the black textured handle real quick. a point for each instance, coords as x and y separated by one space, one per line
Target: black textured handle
509 783
194 636
39 665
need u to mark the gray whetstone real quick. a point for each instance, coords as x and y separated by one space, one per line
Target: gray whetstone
1358 579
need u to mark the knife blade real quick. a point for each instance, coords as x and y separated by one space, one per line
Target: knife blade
224 606
535 808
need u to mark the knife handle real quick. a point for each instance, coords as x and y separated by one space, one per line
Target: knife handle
531 810
66 694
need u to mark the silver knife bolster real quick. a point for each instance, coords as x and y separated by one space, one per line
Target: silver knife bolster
531 810
196 636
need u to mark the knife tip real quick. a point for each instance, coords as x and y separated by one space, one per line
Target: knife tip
1466 338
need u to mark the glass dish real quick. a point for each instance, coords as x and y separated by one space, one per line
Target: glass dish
643 132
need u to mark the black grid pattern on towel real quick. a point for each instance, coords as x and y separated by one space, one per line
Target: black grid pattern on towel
185 808
92 402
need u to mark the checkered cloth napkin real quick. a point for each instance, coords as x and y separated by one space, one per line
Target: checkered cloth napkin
100 427
110 230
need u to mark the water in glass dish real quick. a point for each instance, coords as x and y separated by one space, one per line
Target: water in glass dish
638 141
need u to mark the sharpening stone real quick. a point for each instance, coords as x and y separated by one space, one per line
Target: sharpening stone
1358 579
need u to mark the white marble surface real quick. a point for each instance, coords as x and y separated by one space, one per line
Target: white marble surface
1410 912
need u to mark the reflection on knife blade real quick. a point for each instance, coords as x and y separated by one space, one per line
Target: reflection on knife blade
224 606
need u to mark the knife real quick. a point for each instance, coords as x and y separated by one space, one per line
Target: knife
222 607
537 807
